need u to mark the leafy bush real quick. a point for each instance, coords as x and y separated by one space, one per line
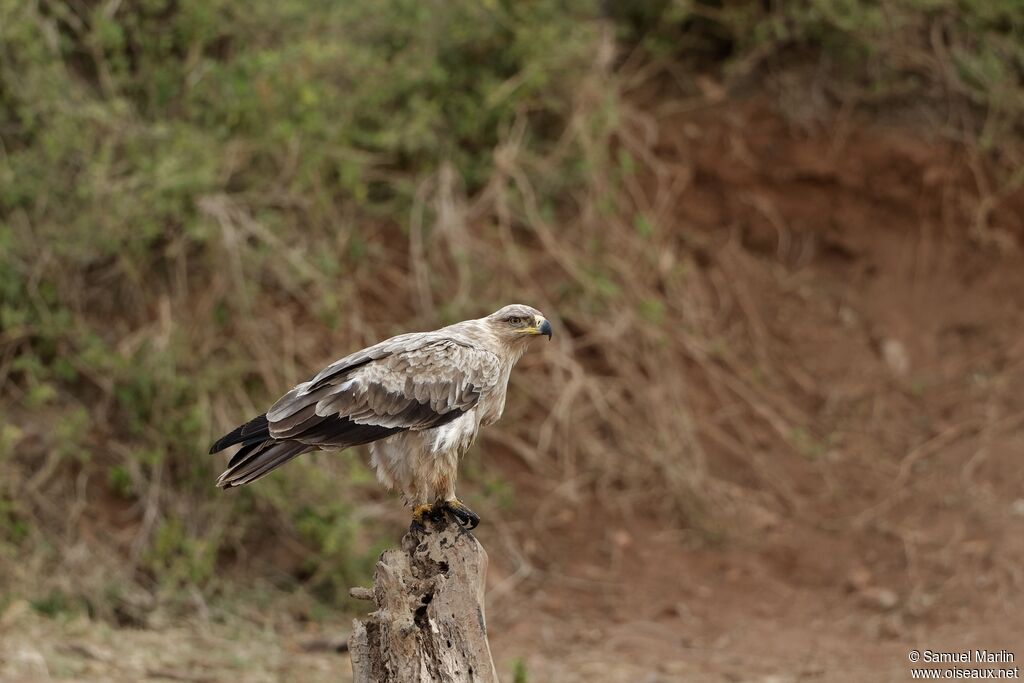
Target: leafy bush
182 180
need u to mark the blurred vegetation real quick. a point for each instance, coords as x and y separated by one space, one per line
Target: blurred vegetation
201 200
963 59
149 147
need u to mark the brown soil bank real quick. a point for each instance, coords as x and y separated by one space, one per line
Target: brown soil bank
868 288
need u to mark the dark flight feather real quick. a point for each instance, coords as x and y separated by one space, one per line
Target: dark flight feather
253 431
261 462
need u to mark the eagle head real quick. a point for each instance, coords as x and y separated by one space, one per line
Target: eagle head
518 323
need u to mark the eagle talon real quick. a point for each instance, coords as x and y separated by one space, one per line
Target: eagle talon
419 514
465 517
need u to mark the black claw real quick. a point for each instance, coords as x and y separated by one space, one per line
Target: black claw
465 517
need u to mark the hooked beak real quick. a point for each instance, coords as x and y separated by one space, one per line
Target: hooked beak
545 329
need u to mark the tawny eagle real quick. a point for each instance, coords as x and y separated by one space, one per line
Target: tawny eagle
418 399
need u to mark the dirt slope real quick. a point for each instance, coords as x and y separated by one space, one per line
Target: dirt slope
882 300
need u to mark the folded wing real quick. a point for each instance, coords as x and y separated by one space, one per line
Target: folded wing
410 382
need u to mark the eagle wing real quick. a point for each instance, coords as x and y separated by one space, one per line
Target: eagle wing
412 384
409 382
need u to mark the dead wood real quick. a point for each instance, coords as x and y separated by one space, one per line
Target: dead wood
429 624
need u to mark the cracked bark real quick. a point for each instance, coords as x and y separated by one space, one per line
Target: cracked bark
429 624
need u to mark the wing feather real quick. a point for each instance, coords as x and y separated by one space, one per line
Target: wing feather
410 382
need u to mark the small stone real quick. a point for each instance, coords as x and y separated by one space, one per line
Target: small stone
847 316
859 578
896 357
881 598
622 538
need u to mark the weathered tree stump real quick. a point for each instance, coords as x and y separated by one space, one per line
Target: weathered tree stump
429 623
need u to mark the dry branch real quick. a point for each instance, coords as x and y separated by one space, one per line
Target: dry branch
429 623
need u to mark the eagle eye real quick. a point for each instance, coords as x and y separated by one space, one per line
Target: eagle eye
515 320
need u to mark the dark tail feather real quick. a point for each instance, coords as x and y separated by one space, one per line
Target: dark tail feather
258 460
252 432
